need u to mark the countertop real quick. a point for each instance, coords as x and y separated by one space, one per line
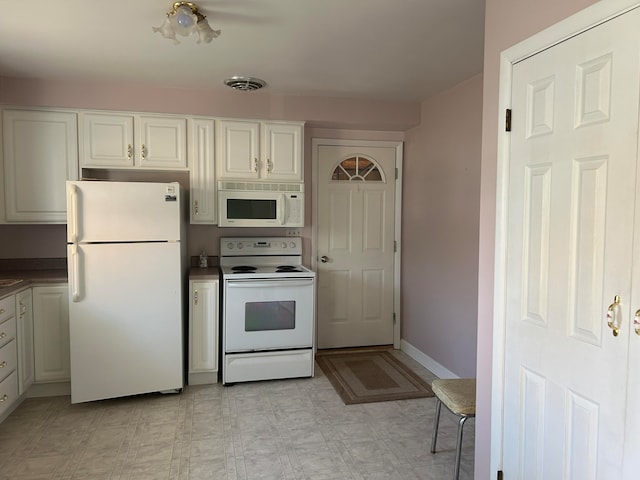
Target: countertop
210 273
30 278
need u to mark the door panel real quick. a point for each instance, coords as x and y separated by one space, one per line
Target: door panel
569 244
356 189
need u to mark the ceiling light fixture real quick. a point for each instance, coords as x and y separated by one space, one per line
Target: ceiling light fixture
184 18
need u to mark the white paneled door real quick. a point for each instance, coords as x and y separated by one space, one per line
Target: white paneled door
570 245
356 208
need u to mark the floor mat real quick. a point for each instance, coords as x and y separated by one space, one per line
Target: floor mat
371 376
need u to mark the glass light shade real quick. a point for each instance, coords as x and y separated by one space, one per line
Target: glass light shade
166 30
183 21
205 32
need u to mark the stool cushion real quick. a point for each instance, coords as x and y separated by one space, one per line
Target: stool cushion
458 394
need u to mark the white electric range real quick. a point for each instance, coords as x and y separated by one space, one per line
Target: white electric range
268 309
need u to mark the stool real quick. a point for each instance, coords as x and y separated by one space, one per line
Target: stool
459 396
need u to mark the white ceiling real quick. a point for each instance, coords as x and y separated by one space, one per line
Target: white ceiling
379 49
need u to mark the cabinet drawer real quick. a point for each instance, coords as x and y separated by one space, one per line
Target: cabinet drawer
8 392
8 359
7 308
7 331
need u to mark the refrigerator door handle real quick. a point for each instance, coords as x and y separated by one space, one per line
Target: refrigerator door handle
72 216
74 272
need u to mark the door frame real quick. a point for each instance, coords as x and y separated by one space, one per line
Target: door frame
398 146
594 15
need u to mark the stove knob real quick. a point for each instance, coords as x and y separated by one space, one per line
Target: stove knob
240 246
292 244
284 245
230 245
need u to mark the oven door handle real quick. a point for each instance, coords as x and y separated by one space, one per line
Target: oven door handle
268 283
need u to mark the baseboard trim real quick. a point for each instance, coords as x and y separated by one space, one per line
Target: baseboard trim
426 361
54 389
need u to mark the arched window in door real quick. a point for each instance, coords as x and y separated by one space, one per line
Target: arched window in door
359 169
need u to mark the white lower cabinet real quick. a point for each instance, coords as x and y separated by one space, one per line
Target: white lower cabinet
203 331
51 333
8 356
24 337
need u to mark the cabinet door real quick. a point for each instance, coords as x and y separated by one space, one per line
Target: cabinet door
203 329
283 152
107 140
202 172
161 142
40 154
26 368
51 333
238 149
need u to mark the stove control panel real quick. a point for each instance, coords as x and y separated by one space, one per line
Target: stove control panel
260 246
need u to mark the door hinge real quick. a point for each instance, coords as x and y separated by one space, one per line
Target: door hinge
507 120
394 318
396 173
395 246
499 476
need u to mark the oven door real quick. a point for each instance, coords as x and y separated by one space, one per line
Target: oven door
268 314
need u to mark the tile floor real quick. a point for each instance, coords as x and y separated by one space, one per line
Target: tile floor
290 429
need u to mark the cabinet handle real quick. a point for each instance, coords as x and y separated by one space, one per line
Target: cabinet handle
195 297
3 364
143 152
2 311
196 205
636 322
23 309
269 166
614 315
255 164
129 151
4 398
2 335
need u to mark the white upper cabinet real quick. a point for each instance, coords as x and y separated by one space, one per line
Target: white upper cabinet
202 177
138 141
40 153
252 150
282 151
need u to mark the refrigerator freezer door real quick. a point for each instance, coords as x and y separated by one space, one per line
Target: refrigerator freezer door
126 319
122 211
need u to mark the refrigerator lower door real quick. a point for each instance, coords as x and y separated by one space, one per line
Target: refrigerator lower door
126 319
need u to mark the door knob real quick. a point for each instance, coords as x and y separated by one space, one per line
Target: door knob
614 315
324 259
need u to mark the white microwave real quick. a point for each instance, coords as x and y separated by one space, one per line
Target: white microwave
257 204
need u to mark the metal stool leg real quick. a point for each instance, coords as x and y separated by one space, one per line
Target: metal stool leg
456 471
436 420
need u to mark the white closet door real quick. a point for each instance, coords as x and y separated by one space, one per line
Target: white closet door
572 184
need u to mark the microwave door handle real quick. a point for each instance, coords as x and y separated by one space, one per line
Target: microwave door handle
283 205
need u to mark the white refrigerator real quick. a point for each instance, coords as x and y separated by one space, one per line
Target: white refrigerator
125 263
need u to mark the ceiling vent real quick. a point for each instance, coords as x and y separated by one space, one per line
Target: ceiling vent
246 84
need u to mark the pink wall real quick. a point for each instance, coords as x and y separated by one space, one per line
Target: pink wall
327 117
507 22
440 228
350 113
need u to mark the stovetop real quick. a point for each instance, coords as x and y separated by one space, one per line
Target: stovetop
262 257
